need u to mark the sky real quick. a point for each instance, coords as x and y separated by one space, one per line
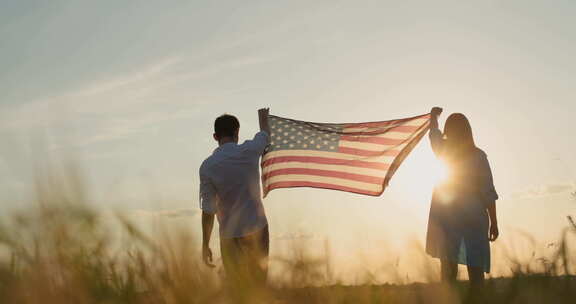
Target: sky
128 91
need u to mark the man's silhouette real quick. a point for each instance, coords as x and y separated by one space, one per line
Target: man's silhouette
230 188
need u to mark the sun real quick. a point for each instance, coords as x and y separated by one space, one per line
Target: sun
420 173
438 171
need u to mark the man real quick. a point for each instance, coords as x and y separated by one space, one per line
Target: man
230 188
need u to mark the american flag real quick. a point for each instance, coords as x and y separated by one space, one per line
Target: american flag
352 157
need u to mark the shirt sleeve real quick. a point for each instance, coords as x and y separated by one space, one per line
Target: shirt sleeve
487 190
208 198
258 143
436 140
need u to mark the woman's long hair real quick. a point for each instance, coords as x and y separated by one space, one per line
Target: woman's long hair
458 135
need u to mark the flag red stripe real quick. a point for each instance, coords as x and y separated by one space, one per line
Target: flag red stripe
326 161
291 184
361 152
378 124
376 130
373 139
327 173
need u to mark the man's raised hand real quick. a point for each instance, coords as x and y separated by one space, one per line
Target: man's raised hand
263 119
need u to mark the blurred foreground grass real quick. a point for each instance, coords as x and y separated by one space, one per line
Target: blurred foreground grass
63 252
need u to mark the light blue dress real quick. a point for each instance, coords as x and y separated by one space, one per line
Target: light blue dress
458 222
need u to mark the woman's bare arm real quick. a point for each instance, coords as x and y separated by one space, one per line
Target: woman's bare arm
434 113
493 234
435 135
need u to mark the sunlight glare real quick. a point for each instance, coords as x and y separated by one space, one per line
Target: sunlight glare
426 170
419 174
438 171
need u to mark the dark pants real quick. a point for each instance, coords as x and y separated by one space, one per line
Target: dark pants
245 258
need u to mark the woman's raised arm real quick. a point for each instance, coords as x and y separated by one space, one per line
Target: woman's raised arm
435 134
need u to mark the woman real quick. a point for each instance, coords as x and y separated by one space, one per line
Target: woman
463 211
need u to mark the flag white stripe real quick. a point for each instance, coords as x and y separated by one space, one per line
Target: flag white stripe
412 123
323 179
335 155
339 168
370 146
391 135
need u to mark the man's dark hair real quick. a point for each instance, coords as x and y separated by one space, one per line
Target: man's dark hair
226 126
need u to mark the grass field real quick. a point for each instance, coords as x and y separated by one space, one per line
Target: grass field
62 252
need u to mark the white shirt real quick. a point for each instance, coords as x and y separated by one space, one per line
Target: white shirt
230 186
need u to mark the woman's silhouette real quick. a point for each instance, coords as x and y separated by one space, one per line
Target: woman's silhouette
463 212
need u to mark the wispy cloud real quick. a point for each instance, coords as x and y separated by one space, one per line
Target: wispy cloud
143 74
124 127
545 190
122 96
51 110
